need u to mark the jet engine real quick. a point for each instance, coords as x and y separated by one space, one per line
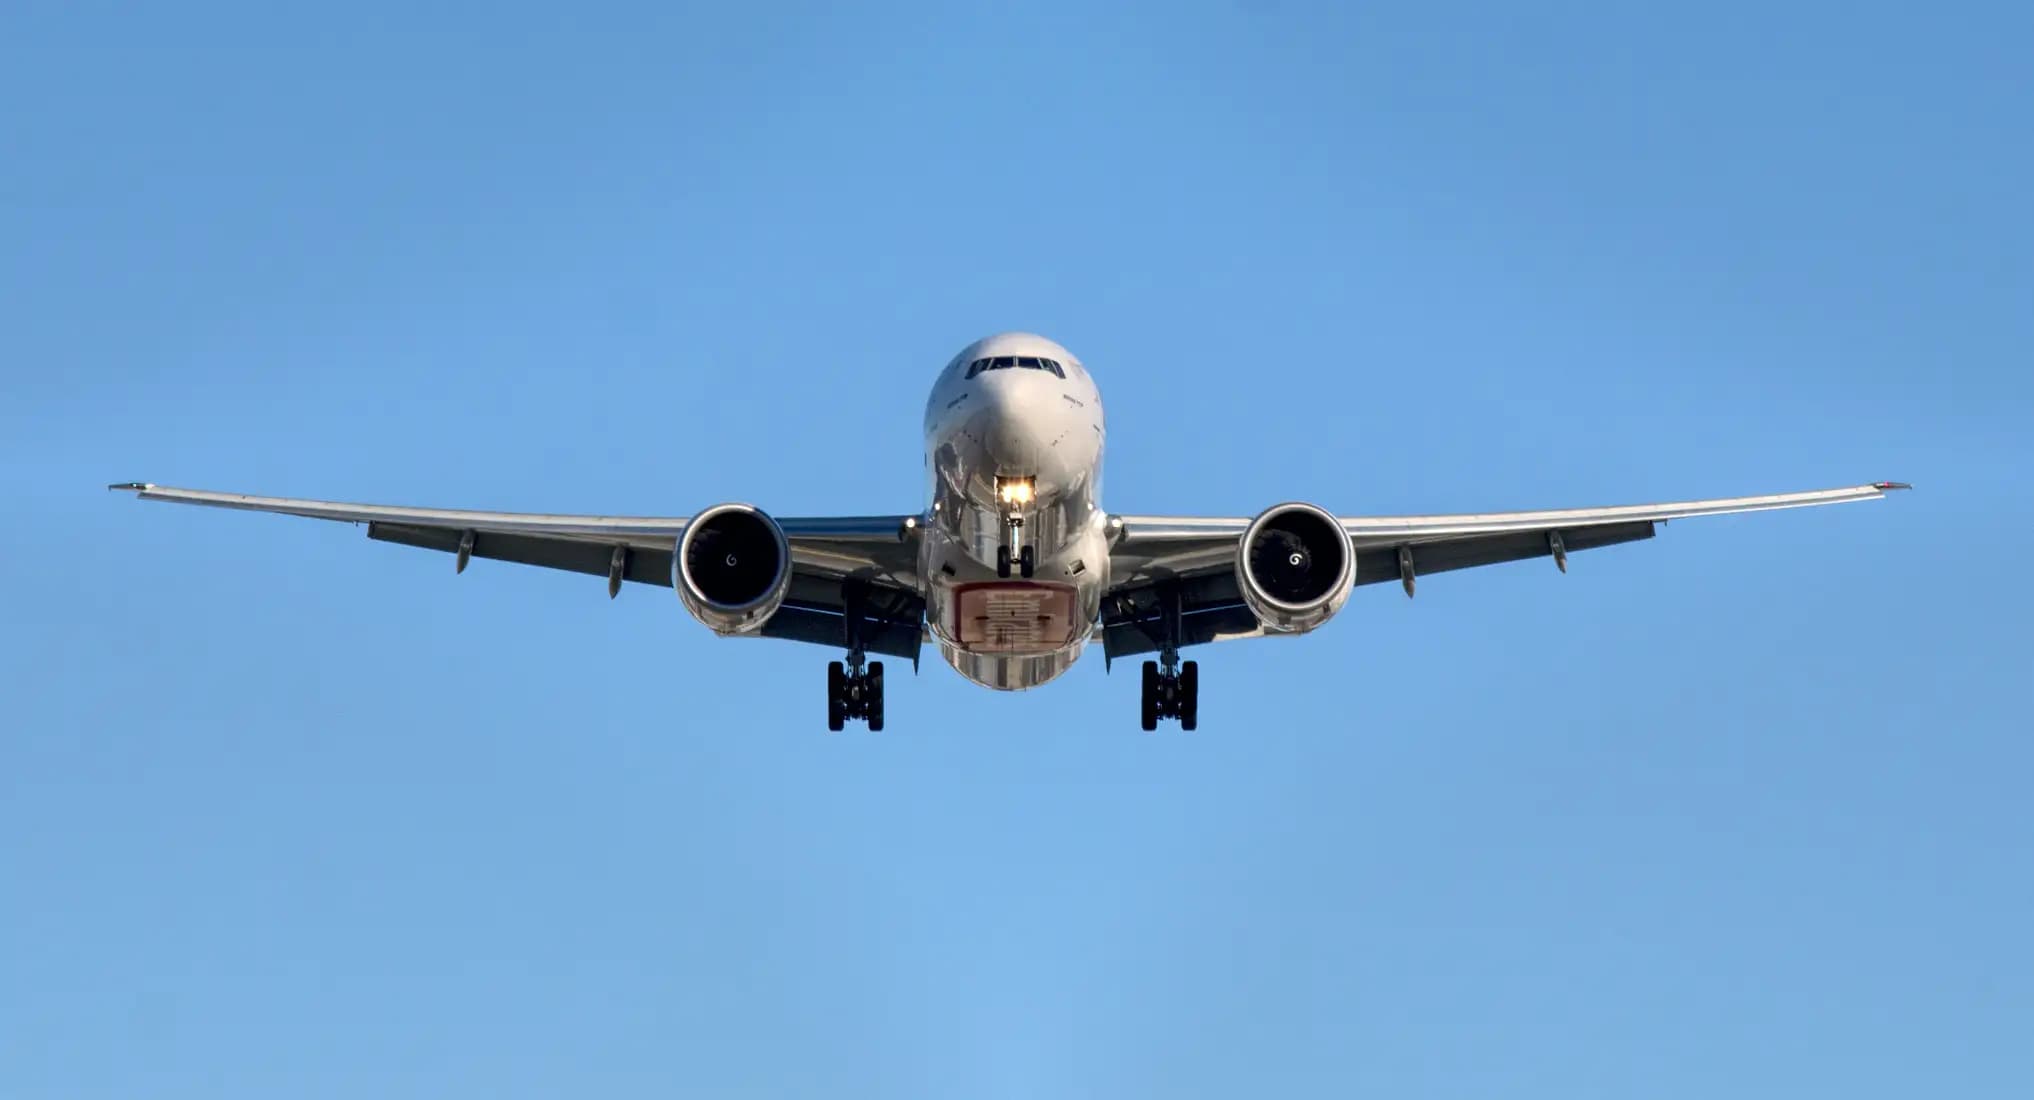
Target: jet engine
1295 567
732 568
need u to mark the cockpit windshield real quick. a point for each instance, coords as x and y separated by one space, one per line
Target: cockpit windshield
1019 362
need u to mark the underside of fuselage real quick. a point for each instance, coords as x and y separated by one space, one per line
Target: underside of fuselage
1015 554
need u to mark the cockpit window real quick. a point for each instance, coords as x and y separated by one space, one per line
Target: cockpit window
1025 362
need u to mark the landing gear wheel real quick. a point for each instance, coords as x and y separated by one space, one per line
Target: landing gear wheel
1147 712
1003 562
836 696
1027 561
872 696
1170 694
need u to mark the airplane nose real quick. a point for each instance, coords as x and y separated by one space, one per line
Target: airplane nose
1007 423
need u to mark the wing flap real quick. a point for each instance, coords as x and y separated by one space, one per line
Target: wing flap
829 628
1376 565
1124 639
642 565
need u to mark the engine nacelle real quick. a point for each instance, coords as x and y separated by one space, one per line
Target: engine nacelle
732 568
1296 567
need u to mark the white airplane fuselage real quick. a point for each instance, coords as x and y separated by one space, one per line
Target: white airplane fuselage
1013 450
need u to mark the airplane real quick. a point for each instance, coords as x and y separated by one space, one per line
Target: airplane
1013 567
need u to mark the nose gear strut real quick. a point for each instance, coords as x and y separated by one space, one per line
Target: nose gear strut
1014 550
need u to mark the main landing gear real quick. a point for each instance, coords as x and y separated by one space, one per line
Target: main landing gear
1172 692
854 687
1172 688
854 692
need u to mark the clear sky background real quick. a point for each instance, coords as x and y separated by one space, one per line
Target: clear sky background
1739 811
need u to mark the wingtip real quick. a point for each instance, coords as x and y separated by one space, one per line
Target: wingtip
132 486
1890 486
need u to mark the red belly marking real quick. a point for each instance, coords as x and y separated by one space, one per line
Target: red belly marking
1014 616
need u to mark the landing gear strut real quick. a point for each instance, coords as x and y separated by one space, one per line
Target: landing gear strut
854 687
1171 687
1015 551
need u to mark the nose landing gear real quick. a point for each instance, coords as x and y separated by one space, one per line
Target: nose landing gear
1015 551
1026 563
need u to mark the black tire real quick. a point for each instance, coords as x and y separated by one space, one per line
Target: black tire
872 694
1027 561
1189 695
1148 711
836 696
1003 561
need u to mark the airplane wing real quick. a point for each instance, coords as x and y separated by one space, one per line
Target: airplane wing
876 555
1199 554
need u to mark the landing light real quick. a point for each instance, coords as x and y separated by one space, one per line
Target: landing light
1014 490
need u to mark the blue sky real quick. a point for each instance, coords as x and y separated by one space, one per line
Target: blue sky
1739 810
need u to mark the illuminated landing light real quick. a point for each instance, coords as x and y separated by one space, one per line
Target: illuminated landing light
1015 491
